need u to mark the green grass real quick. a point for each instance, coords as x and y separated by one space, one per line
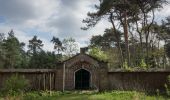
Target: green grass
81 95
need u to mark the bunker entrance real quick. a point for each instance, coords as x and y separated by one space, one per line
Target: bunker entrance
82 79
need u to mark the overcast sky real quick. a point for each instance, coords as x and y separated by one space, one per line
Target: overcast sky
48 18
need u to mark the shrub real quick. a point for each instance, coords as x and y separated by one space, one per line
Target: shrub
98 53
125 64
168 79
143 64
15 85
167 86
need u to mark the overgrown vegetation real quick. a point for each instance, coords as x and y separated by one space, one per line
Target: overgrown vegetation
167 86
15 85
81 95
15 88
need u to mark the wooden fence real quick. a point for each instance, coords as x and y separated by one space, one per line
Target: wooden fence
39 79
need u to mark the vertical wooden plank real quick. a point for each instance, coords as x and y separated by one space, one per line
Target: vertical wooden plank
44 81
50 83
53 82
64 77
39 81
55 86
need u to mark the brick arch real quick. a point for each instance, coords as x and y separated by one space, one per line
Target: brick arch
89 81
83 65
70 73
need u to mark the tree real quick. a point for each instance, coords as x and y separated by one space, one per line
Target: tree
12 51
35 45
24 55
2 51
44 60
165 36
57 44
113 9
107 40
96 40
144 19
167 48
71 47
126 13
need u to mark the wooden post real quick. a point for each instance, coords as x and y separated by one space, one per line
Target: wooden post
54 82
50 83
44 81
63 77
39 81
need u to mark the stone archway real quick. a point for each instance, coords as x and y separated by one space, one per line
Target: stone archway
82 79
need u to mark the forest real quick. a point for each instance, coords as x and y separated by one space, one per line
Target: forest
136 40
13 53
136 37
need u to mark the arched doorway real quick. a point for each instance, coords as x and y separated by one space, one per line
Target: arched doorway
82 79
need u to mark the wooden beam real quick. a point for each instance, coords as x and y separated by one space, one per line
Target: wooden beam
50 84
44 81
63 77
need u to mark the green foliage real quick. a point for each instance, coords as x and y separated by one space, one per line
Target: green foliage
167 48
109 44
125 64
45 95
57 44
112 95
157 92
2 51
113 57
143 64
98 53
135 14
41 59
168 79
13 54
167 90
126 67
12 51
167 86
108 40
44 60
15 85
35 46
70 47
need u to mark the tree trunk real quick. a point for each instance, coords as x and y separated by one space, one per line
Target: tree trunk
140 38
133 48
125 28
117 38
164 58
